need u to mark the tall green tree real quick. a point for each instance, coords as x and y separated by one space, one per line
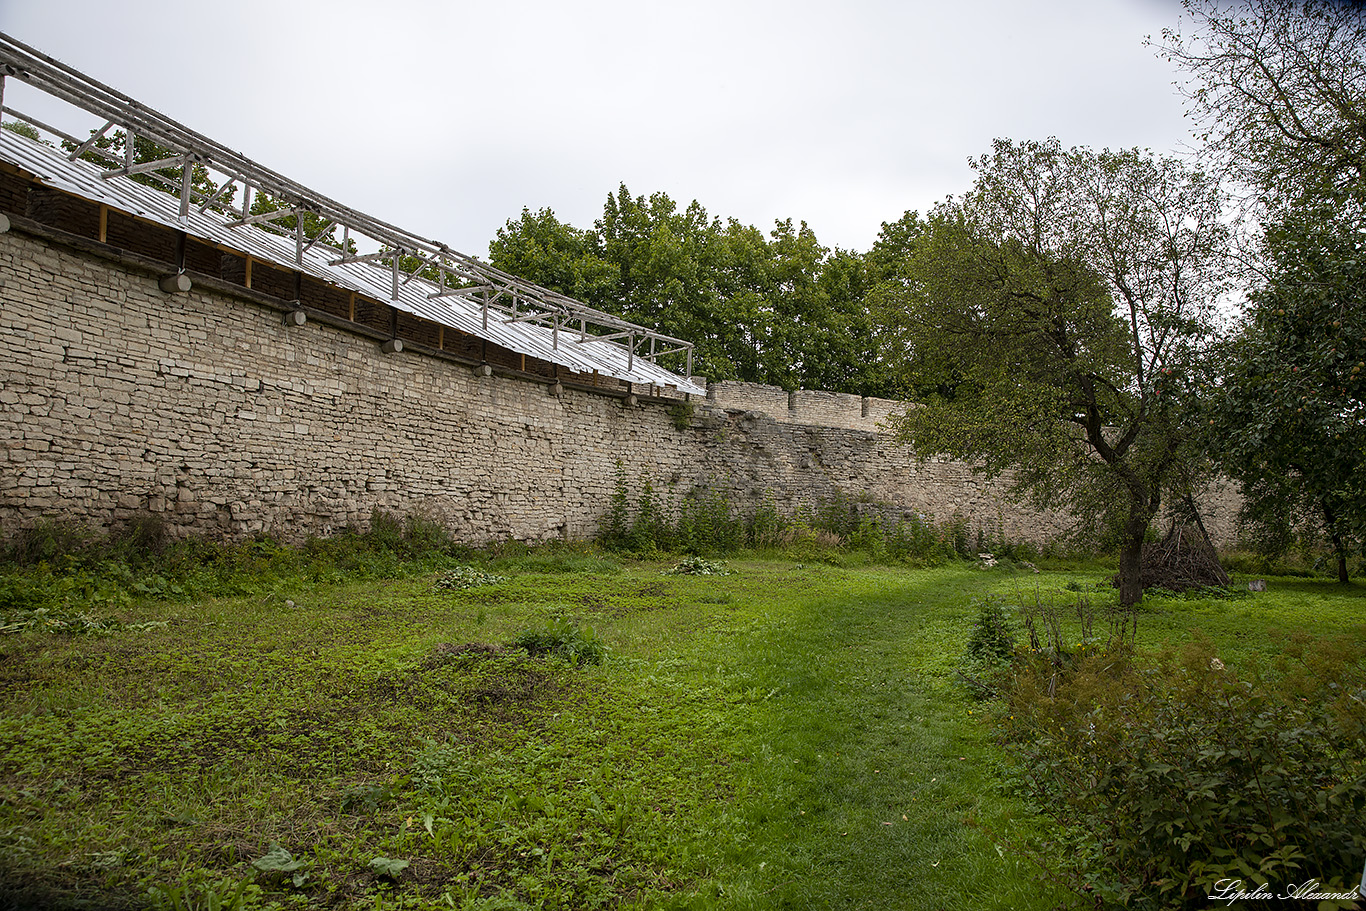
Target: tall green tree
110 151
888 270
1061 312
669 261
816 327
1290 420
1279 89
540 248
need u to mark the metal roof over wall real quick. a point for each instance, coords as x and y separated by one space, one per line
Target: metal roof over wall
455 290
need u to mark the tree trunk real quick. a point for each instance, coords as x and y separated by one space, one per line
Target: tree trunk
1131 564
1339 546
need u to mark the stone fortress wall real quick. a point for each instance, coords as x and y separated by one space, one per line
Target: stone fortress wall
805 406
208 409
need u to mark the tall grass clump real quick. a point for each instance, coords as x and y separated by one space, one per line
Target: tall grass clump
67 569
704 521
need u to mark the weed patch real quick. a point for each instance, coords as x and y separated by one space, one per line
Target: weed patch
697 566
463 577
1174 772
564 639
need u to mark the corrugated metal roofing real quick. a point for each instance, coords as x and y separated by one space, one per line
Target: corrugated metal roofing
83 179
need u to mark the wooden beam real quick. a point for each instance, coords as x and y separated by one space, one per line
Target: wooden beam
441 337
104 224
351 313
247 281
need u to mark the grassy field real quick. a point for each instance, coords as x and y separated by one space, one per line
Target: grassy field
786 736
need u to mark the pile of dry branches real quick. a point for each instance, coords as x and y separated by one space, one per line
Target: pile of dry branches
1183 560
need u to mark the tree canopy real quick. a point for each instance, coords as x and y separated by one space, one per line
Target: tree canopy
776 308
1291 417
1277 87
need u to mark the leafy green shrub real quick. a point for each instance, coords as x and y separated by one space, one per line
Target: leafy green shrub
53 541
707 524
993 635
1253 563
990 651
24 592
616 523
386 531
1184 774
765 525
142 536
564 639
423 534
697 566
650 531
463 577
704 521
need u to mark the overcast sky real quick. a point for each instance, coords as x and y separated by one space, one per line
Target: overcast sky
447 118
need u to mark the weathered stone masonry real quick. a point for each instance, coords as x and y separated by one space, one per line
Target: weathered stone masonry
204 408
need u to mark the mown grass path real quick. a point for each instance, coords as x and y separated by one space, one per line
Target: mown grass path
868 774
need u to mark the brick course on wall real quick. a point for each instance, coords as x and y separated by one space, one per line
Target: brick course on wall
203 408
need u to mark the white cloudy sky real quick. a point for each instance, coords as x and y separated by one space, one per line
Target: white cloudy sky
447 118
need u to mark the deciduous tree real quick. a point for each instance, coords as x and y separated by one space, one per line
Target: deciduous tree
1290 419
777 308
1061 312
1279 89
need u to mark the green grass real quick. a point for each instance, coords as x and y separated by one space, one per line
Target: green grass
788 736
1244 627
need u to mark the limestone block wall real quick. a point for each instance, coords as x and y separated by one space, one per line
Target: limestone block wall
203 408
805 406
770 400
117 398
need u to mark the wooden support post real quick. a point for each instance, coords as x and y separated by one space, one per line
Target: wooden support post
351 312
524 363
441 337
104 224
247 281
